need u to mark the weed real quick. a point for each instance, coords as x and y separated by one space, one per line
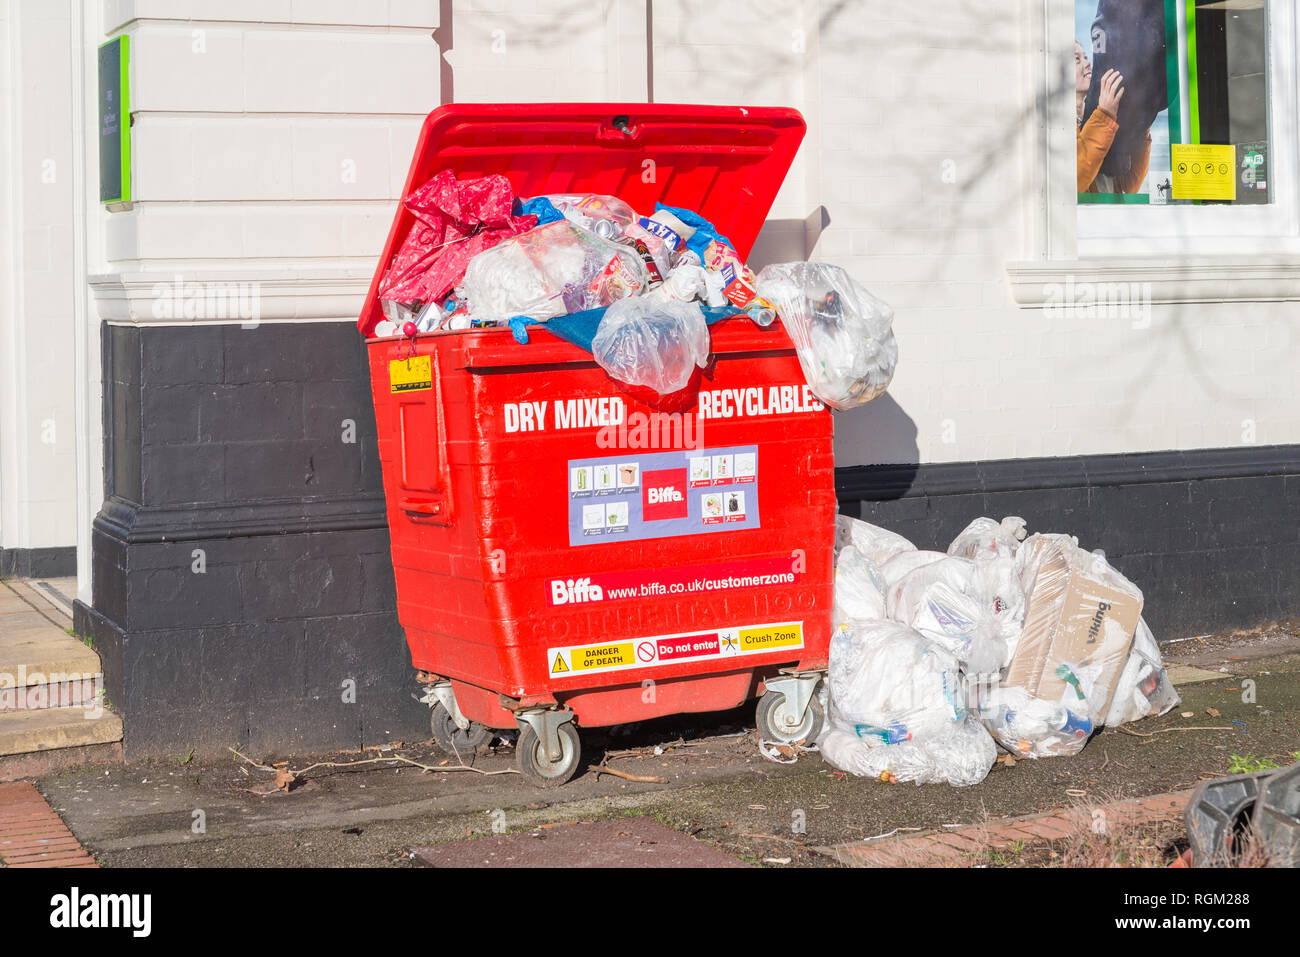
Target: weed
1249 764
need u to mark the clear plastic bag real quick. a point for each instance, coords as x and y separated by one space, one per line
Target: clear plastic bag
859 588
887 684
984 534
874 543
841 332
606 216
960 755
1079 624
656 344
1143 689
550 271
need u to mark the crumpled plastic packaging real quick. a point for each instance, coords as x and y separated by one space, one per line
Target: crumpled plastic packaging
455 221
1143 689
841 332
550 271
877 544
649 343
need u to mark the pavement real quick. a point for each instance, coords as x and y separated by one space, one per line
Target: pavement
1241 693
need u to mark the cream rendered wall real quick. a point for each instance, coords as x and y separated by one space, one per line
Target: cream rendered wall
932 161
37 280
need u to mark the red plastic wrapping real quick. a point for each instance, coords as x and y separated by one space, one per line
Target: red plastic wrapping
455 221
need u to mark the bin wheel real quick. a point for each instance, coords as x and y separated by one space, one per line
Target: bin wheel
452 740
776 723
531 754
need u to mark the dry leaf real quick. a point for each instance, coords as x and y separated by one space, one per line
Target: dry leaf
1212 712
284 779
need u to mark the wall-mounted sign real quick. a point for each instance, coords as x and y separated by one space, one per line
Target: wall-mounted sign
114 121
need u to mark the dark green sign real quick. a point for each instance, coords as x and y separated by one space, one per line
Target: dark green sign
114 121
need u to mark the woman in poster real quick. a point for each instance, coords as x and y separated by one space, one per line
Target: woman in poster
1096 136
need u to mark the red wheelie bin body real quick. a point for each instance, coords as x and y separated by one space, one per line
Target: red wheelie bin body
558 541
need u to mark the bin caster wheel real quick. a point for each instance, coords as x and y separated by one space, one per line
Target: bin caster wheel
776 722
531 754
452 740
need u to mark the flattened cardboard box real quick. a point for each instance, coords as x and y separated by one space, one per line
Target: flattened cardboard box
1077 619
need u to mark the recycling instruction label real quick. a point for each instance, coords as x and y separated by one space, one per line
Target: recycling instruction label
706 645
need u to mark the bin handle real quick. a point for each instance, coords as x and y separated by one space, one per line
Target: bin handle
421 508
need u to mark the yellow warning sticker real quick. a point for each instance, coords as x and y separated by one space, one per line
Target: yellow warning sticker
705 645
771 636
411 375
1204 171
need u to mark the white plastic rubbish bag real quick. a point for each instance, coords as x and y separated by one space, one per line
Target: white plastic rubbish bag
841 332
874 543
859 588
1143 689
895 568
652 343
551 271
984 534
954 603
887 684
961 755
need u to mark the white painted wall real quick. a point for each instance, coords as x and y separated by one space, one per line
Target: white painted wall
37 288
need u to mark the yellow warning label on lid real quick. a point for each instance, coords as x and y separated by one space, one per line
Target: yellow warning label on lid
411 375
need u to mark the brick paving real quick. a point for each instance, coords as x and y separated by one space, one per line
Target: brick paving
32 835
937 848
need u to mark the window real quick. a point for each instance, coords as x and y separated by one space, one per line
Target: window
1186 126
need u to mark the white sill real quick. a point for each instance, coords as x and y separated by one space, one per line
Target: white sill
1273 278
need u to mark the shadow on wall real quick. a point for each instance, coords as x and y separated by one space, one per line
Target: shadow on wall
878 433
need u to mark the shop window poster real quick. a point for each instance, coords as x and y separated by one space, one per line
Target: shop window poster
1171 101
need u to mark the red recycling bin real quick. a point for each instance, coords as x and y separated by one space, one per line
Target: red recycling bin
566 555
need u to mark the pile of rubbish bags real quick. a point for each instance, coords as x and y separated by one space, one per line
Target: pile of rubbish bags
478 256
1028 644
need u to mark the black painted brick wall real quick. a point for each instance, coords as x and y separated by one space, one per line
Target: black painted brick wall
1208 552
256 649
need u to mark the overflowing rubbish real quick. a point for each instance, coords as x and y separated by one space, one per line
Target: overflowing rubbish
653 344
842 333
1027 644
479 256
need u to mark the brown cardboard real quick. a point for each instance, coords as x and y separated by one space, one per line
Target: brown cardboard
1081 613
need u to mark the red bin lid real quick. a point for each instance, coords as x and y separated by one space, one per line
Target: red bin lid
725 162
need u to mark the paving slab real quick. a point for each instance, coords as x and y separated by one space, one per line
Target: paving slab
624 842
46 729
1180 675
